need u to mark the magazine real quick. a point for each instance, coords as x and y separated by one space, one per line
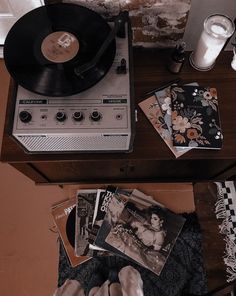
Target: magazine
61 214
144 234
85 205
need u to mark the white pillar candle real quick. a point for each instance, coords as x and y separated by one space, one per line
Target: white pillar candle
217 29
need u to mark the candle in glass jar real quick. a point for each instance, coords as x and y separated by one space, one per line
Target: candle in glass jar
217 29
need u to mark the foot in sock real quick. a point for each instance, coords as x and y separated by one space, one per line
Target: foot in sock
96 280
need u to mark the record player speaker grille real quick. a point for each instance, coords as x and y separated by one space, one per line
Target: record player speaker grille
75 143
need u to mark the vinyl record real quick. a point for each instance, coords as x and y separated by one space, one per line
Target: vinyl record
45 49
70 227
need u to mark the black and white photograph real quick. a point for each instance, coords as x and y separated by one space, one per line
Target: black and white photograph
114 208
145 235
101 206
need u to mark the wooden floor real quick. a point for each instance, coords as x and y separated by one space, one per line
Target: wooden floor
28 249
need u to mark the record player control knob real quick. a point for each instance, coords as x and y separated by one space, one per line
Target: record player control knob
122 69
78 116
25 116
61 116
96 116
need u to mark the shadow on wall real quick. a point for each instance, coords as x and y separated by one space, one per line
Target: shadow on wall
155 23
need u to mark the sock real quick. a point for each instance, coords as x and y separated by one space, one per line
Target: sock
96 280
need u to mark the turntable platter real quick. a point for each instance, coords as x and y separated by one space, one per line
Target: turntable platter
46 45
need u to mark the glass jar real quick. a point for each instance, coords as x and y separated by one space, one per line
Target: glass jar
217 29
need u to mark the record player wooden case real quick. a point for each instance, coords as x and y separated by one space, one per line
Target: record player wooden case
150 160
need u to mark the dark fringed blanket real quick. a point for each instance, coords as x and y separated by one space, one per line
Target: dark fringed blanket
183 273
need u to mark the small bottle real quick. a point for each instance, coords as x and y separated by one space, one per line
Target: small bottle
177 58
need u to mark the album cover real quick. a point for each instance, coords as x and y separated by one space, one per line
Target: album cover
153 112
97 220
102 203
60 214
114 209
142 199
98 215
195 117
85 205
145 235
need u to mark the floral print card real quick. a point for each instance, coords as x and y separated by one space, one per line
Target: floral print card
164 99
152 110
195 117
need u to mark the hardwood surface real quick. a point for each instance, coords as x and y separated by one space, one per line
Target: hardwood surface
205 196
151 160
213 244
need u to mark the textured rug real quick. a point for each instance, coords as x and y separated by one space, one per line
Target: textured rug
226 212
183 273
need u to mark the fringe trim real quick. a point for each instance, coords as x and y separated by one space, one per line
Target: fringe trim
230 248
220 209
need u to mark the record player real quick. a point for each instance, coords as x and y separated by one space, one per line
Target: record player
73 73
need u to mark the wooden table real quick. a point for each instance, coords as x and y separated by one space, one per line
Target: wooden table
151 160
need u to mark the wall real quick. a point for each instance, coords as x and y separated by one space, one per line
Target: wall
199 10
160 23
155 23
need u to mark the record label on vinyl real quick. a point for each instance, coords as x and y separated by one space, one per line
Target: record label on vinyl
60 47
